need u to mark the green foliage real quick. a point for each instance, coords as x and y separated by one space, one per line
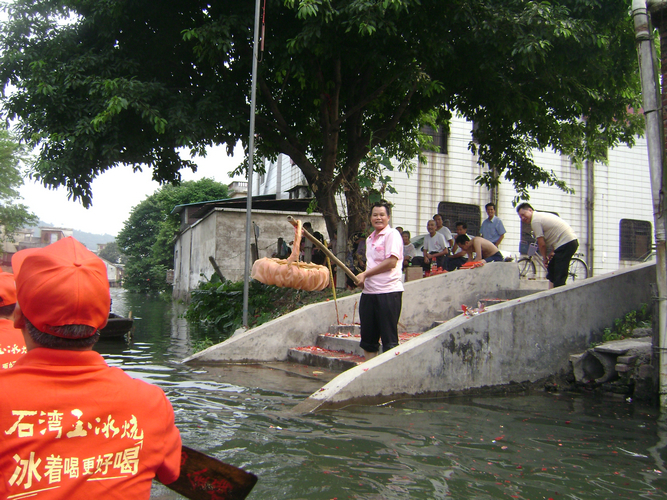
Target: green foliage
624 326
221 303
201 344
132 82
13 215
146 237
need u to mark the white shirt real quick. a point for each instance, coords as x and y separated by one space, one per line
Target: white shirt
435 243
444 231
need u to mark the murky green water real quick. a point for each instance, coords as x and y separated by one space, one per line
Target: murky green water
541 446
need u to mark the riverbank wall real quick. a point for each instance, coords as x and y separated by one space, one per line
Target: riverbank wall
529 336
425 301
522 340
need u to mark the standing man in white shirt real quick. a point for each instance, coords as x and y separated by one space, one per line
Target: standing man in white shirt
443 230
492 228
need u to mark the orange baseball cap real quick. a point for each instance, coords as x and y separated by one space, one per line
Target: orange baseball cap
7 289
62 284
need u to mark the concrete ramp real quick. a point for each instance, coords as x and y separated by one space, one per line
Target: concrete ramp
522 340
425 301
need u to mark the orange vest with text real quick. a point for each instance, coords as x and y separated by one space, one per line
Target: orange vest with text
72 427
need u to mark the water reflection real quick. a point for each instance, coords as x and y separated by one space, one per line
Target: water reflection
526 447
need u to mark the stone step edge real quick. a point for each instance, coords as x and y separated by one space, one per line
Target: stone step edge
318 356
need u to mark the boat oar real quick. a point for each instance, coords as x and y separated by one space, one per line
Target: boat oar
326 251
206 478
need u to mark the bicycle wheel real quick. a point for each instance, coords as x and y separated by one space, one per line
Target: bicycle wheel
526 268
578 271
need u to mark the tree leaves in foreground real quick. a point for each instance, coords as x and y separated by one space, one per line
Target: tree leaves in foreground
13 215
132 82
147 235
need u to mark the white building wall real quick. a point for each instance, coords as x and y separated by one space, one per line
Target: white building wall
622 190
290 176
626 195
113 273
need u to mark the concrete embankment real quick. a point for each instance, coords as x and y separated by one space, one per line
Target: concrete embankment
425 301
522 340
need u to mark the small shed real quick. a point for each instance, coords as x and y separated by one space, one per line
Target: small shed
219 231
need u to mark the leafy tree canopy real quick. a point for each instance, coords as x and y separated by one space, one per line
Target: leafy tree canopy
13 215
146 237
131 82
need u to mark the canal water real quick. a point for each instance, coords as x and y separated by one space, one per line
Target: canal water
542 446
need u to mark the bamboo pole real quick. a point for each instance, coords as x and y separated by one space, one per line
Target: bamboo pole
326 251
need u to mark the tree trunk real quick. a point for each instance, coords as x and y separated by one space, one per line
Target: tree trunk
326 201
357 208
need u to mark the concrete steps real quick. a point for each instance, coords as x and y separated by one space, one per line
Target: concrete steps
337 350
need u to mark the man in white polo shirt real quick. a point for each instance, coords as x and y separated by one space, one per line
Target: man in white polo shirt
551 231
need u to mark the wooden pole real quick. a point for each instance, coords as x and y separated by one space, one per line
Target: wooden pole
203 478
216 268
326 251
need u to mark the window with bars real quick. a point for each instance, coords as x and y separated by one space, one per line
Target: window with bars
635 239
454 212
439 136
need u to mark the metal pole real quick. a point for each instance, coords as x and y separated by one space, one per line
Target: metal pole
654 137
251 154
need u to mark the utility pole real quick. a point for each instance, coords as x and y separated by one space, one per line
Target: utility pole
251 154
655 138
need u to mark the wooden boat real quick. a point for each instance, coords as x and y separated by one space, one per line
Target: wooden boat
116 327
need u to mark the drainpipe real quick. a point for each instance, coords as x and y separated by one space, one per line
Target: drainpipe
590 216
279 178
654 136
420 166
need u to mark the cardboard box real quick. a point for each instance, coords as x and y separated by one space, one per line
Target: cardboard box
414 273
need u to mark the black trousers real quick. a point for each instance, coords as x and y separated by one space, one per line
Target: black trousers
379 313
559 265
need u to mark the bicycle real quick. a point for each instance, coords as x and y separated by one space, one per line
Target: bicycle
578 269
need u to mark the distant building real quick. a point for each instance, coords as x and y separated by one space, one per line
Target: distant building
25 238
10 246
115 273
50 235
238 189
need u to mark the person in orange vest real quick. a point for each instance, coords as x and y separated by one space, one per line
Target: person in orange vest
12 345
70 425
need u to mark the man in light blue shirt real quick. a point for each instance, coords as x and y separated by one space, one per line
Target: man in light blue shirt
492 228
